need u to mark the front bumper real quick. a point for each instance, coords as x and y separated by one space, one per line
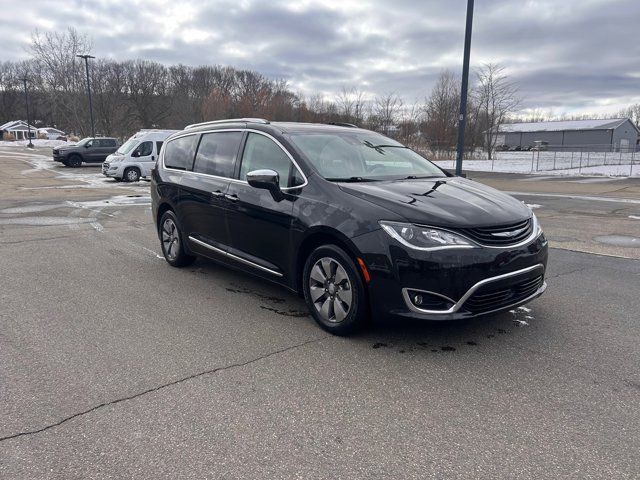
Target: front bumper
469 283
58 157
112 170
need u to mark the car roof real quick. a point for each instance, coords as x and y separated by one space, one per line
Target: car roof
270 127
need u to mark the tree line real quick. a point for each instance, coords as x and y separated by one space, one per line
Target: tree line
135 94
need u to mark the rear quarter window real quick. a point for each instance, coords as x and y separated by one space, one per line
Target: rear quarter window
179 153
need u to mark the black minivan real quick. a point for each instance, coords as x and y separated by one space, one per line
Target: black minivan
359 224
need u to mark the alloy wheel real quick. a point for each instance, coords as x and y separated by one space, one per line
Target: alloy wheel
330 290
170 239
132 175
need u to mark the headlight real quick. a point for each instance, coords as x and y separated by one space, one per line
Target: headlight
536 224
425 238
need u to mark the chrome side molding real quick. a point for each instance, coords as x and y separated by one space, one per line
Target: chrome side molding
234 257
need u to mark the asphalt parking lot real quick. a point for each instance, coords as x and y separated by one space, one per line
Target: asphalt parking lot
114 365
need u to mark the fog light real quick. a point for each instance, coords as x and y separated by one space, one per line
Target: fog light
428 300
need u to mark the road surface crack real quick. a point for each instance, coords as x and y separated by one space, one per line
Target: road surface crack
161 387
576 270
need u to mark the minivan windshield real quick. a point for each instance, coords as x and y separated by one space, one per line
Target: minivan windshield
362 156
127 146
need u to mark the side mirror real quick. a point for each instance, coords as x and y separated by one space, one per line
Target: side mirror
87 145
267 180
136 153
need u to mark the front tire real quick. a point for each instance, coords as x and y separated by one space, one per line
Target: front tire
131 175
74 161
171 241
334 291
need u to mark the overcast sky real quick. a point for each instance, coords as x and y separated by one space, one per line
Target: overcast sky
566 55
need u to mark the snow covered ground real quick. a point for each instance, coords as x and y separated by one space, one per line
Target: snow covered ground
36 143
556 163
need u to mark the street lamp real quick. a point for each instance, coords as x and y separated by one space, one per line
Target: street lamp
26 102
86 66
462 120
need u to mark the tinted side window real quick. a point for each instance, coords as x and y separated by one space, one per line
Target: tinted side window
109 142
179 152
145 149
217 153
261 152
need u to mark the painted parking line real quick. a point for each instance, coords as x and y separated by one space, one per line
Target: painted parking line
578 197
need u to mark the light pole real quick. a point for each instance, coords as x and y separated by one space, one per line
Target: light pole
86 66
462 120
26 102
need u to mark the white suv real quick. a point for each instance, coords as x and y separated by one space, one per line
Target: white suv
136 157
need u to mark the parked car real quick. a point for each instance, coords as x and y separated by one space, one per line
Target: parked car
87 150
136 157
540 146
515 148
357 223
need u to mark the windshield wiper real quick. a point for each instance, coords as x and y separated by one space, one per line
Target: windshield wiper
351 179
378 148
416 177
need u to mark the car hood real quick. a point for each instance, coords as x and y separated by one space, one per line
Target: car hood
63 147
446 202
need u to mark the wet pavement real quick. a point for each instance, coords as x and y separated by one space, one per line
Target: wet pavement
114 365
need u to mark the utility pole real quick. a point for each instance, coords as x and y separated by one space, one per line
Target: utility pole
26 102
462 120
86 66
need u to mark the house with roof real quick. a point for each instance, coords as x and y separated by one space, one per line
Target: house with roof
619 134
19 129
51 133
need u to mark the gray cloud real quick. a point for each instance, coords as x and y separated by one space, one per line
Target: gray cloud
574 55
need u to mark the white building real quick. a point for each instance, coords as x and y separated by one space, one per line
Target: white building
19 129
51 133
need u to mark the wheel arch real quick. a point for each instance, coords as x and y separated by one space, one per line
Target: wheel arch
163 207
322 236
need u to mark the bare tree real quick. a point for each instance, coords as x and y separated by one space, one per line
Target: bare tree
351 105
496 97
386 110
61 73
632 112
441 110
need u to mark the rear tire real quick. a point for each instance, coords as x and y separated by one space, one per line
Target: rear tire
334 291
74 161
131 174
171 241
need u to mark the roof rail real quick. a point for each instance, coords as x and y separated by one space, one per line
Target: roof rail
343 124
229 120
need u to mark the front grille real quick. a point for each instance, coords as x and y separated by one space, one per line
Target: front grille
488 298
500 235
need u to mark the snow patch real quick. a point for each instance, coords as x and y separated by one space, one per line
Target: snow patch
37 142
118 200
45 221
634 217
533 206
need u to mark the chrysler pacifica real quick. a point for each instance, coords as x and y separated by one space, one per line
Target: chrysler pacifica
359 224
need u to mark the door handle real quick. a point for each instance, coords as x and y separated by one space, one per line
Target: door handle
217 194
233 198
153 158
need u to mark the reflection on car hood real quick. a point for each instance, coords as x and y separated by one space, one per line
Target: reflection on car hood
447 202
